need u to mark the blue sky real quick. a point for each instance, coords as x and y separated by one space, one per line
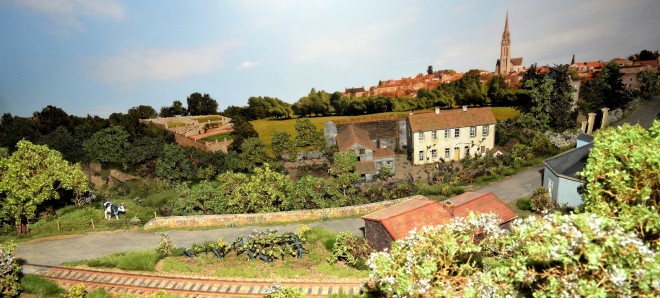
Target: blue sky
104 56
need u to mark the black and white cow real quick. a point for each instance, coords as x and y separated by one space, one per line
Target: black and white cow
111 209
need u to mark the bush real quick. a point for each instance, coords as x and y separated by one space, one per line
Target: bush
165 246
541 200
524 204
352 249
9 271
276 290
76 291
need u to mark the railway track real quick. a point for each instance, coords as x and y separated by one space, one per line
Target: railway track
144 285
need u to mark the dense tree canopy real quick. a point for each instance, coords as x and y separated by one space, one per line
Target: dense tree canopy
307 135
269 107
606 90
175 109
199 104
32 175
622 178
108 145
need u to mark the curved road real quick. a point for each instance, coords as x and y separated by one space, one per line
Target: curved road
55 250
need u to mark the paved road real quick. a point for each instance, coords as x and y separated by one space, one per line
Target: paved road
54 251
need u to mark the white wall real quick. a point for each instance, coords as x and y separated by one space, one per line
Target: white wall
441 143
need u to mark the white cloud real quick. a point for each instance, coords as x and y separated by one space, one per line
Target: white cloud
248 64
142 64
68 12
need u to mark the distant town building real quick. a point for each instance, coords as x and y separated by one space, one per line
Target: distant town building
506 64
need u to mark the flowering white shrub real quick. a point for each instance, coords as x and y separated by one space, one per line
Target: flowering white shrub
9 271
556 255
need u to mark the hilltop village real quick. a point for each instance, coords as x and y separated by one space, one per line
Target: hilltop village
521 180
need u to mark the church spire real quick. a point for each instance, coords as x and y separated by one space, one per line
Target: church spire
506 23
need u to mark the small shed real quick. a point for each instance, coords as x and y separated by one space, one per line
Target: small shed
561 177
394 223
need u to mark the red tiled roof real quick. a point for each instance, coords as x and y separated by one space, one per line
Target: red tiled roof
451 119
371 118
383 152
352 135
481 203
366 167
400 219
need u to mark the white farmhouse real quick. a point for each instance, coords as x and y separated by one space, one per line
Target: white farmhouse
450 134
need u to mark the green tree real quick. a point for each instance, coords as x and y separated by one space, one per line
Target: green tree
173 164
282 143
649 84
308 135
622 179
63 141
176 108
32 175
14 129
253 155
534 112
499 92
204 198
263 191
344 169
607 90
242 130
108 145
429 70
50 118
562 113
199 104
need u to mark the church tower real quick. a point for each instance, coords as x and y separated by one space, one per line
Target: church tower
505 51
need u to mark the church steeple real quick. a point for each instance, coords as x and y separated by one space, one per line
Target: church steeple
504 65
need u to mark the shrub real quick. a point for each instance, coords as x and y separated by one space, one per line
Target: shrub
9 271
277 290
524 204
352 249
76 291
165 246
541 200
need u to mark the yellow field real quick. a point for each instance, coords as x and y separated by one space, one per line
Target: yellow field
266 127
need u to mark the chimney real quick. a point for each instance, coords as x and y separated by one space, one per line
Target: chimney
605 121
592 118
437 110
464 108
584 126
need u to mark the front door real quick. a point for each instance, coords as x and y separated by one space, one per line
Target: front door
457 153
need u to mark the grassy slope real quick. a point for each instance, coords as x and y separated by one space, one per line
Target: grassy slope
266 127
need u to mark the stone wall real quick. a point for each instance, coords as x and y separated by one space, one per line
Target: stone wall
202 145
201 221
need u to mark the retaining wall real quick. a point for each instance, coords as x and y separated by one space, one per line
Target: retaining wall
200 221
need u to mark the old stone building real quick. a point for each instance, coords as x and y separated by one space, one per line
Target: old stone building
370 158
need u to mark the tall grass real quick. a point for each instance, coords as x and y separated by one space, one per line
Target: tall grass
40 287
144 260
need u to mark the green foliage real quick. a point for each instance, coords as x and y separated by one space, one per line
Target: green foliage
534 103
557 255
308 135
315 103
541 200
32 175
173 164
165 246
344 169
276 290
40 287
10 271
137 260
253 155
108 145
607 90
264 107
263 191
561 112
176 108
205 197
282 143
351 249
199 104
524 204
76 291
622 179
649 84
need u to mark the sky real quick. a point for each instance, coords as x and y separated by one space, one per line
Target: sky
99 57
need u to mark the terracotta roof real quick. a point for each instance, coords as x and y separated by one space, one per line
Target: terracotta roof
366 167
621 60
480 203
371 118
451 119
383 152
352 135
399 219
517 61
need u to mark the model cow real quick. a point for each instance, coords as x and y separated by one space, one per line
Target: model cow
112 209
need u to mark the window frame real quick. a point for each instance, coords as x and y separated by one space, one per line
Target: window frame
473 131
421 136
447 153
457 133
447 133
485 130
434 135
421 155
